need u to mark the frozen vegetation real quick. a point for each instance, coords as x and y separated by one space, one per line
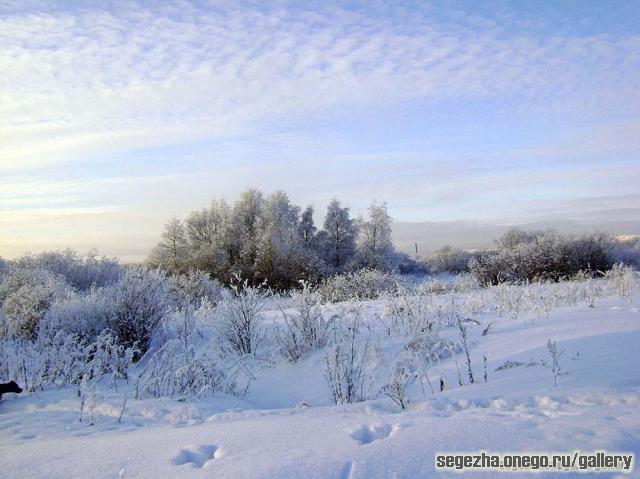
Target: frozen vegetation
135 372
269 239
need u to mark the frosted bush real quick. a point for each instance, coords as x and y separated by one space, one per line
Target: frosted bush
346 361
4 268
511 298
621 279
240 314
189 324
107 357
449 260
402 375
473 305
425 351
434 286
84 315
189 373
335 289
140 300
305 327
465 283
26 295
414 314
64 359
80 271
626 251
361 285
544 255
193 287
489 269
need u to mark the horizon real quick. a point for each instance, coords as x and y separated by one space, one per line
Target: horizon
428 236
113 119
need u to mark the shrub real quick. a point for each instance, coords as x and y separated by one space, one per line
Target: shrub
62 359
410 312
543 256
140 300
345 362
176 370
4 268
402 375
362 285
240 316
26 295
449 260
626 251
84 315
191 288
80 271
622 279
305 328
489 269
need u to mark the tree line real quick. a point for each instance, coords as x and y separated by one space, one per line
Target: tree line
271 239
520 256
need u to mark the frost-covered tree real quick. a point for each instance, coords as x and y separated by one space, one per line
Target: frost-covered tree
514 237
213 246
279 254
202 227
375 248
172 252
339 236
247 214
307 230
269 238
313 268
4 267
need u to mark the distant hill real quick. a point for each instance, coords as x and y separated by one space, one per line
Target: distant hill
471 235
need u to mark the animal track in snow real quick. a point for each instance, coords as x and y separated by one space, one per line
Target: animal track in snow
347 470
197 457
367 434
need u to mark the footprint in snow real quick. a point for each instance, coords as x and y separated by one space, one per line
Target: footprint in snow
367 434
197 457
347 470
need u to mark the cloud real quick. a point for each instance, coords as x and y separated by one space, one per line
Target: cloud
128 76
114 116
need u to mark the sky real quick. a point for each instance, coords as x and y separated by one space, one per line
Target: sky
115 116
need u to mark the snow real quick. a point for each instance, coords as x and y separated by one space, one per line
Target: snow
271 433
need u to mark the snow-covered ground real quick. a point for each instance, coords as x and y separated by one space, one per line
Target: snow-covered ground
271 434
